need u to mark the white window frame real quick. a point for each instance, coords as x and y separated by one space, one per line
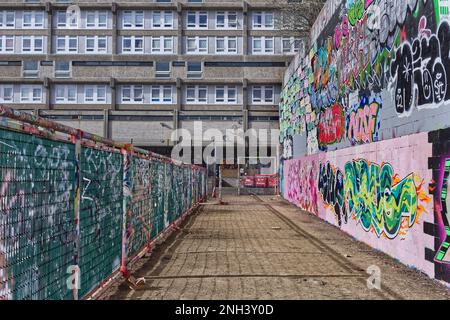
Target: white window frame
33 48
3 16
96 48
197 89
67 48
73 24
197 15
96 98
263 89
160 99
33 22
292 45
133 48
197 40
263 24
66 99
226 23
97 14
226 94
31 99
165 22
132 89
3 87
162 45
3 41
263 45
134 15
226 49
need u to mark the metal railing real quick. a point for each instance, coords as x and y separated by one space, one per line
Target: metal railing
77 209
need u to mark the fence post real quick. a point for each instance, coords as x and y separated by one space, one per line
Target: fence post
77 208
126 182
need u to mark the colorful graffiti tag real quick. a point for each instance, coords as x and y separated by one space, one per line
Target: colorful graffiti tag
380 200
302 190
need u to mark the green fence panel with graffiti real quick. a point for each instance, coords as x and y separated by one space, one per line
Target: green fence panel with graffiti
73 214
37 227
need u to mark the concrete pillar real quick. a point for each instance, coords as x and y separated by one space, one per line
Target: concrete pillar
114 9
180 28
48 9
245 28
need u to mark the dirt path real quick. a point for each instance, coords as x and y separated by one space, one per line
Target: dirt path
264 248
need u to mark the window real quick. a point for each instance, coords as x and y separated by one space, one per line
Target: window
162 44
161 94
6 93
263 20
133 20
66 20
226 94
263 45
197 44
194 69
7 19
95 94
67 44
30 69
132 94
291 44
162 69
30 94
62 69
6 44
97 19
162 19
96 44
263 94
33 19
226 20
226 45
197 20
65 93
196 94
133 44
32 44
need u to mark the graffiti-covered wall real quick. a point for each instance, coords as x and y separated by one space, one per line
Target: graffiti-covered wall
365 120
377 70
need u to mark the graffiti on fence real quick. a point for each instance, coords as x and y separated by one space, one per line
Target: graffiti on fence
36 233
42 237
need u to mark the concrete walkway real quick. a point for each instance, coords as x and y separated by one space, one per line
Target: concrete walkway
264 248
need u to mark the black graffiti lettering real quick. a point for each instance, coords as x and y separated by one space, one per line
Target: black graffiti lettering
421 70
331 187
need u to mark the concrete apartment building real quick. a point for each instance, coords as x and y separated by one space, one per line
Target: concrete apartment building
136 70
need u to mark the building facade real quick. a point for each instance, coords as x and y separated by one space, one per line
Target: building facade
134 71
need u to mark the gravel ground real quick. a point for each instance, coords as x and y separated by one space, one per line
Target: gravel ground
264 248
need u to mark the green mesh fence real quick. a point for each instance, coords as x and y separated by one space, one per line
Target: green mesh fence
101 215
36 216
125 202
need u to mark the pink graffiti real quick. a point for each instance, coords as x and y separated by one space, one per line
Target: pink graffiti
362 123
301 189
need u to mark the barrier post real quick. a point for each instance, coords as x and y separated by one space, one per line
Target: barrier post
127 158
77 139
